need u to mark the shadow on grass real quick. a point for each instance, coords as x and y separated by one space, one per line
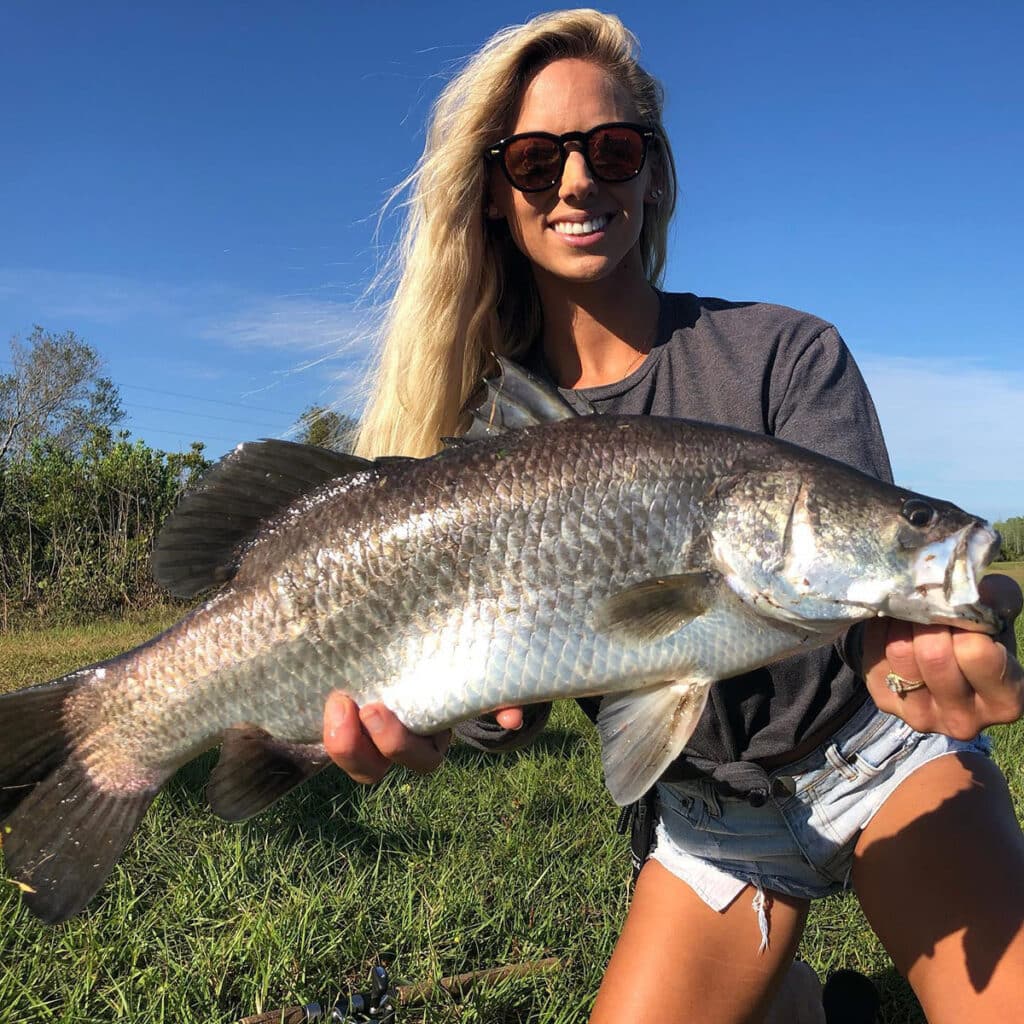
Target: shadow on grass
327 808
561 742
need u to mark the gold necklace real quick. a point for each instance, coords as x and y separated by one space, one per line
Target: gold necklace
642 354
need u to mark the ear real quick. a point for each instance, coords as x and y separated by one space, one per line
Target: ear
655 180
491 211
496 198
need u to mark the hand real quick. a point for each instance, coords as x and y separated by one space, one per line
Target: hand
365 742
971 680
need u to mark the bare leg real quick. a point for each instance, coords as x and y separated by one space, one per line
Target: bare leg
678 961
938 872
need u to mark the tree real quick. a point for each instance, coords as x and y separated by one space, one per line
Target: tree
1012 532
327 428
77 528
55 392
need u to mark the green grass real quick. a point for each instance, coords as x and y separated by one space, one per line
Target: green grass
1014 569
490 861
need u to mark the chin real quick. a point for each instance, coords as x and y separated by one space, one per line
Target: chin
582 270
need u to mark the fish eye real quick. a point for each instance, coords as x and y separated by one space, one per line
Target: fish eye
918 513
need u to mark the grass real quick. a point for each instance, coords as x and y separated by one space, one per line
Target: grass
490 861
1014 569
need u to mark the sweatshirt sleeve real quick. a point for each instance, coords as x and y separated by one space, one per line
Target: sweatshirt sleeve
820 401
485 733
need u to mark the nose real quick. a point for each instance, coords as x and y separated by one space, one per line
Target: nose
577 179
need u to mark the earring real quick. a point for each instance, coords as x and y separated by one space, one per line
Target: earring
656 193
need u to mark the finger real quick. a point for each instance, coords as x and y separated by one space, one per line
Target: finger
887 646
876 638
936 661
994 673
915 705
953 699
348 745
899 650
509 718
419 753
1003 595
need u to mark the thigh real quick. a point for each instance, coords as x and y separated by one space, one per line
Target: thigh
678 961
938 872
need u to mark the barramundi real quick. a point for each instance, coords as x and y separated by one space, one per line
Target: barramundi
548 556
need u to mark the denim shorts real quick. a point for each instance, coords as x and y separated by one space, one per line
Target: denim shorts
800 840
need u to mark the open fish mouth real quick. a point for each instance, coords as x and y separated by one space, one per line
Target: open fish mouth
945 576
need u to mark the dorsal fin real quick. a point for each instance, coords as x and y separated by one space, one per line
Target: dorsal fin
202 542
513 400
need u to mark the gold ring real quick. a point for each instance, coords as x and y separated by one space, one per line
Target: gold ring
900 686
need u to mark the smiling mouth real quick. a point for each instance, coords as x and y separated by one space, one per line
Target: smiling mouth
582 227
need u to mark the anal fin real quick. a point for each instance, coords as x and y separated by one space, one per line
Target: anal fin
255 769
643 732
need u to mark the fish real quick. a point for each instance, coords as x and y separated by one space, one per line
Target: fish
544 555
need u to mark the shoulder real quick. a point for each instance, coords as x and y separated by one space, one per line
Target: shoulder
765 320
754 339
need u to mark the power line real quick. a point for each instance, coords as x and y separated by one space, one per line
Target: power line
201 415
195 398
200 398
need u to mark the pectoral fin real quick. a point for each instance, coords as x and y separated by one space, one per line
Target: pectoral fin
657 607
255 769
642 733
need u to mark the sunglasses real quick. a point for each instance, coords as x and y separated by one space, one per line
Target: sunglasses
534 161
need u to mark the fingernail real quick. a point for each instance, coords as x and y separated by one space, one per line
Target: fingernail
372 719
335 713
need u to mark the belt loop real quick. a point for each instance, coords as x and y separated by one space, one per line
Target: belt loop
836 759
709 795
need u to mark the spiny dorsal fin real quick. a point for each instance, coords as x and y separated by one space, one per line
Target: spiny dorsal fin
513 400
655 608
202 542
255 769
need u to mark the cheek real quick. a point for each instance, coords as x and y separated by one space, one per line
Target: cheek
641 189
633 203
523 216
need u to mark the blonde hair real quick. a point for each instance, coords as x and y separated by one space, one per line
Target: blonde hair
464 291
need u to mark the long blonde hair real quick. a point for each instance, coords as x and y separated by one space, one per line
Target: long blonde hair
464 291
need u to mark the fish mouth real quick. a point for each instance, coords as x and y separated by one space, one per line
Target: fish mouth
945 577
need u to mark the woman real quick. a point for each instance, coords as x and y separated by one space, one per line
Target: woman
547 248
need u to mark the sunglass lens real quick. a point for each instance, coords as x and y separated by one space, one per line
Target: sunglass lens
533 163
616 154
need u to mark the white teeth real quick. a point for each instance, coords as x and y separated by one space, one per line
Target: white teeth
585 227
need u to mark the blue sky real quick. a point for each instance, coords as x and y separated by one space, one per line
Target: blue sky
193 188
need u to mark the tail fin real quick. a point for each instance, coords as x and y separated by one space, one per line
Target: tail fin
61 833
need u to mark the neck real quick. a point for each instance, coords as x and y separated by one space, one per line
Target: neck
597 332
